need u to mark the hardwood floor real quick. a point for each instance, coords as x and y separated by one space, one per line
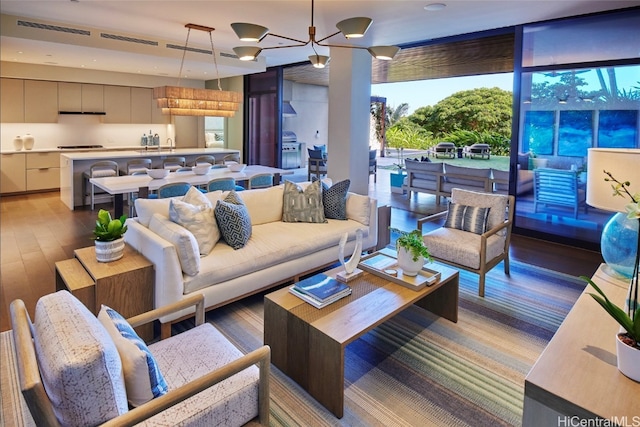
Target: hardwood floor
37 230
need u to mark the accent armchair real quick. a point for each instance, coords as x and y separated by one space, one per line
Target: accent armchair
476 233
317 164
91 384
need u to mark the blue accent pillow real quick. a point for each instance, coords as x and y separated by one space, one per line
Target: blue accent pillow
467 218
142 377
233 220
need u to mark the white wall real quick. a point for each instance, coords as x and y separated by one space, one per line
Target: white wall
311 103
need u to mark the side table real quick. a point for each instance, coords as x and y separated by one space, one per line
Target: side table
126 285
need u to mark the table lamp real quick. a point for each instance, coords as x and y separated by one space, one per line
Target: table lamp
619 241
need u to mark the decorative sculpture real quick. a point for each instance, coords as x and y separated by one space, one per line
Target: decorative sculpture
350 267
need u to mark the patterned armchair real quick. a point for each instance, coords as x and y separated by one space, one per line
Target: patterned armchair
176 381
476 233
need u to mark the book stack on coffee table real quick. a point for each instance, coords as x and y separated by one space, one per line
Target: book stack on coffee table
320 290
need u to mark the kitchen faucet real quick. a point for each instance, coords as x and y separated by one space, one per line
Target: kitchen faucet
170 141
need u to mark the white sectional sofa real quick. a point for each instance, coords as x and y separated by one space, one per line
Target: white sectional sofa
276 252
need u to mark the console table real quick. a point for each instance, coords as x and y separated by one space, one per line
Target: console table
576 375
126 285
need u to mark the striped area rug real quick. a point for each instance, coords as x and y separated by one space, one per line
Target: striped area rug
419 370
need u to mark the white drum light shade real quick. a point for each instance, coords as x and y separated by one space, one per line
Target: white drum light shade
623 164
247 53
354 27
385 53
249 32
319 61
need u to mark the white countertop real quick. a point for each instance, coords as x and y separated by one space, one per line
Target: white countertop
97 154
132 148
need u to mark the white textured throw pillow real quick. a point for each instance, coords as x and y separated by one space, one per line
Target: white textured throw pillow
142 377
195 213
183 240
358 208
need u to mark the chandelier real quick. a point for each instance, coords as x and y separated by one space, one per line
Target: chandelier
184 101
351 28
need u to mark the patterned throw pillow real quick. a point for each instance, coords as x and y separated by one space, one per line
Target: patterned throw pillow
467 218
195 213
302 205
142 376
334 199
233 220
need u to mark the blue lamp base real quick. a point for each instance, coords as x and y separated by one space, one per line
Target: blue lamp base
619 243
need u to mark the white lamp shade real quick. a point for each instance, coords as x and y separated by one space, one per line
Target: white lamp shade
247 53
319 61
249 32
623 164
385 53
354 27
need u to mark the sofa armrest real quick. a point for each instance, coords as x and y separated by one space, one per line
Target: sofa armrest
168 286
261 356
196 300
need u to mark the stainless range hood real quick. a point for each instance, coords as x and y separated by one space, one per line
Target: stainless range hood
84 113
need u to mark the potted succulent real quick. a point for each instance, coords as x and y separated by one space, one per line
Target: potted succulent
627 342
108 236
411 250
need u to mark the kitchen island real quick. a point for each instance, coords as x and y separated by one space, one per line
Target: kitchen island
74 164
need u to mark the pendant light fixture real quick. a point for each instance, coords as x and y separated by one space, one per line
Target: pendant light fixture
351 28
184 101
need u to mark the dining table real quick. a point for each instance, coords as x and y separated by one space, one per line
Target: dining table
118 186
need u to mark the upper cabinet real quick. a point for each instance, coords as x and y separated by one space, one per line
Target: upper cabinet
40 101
36 101
117 104
12 97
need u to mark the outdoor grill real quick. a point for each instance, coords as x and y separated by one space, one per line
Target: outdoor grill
291 150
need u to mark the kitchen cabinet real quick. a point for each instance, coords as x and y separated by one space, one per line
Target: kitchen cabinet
117 104
141 103
12 106
40 101
42 171
80 97
12 168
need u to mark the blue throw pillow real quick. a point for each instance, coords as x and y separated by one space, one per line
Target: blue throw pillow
334 199
467 218
233 220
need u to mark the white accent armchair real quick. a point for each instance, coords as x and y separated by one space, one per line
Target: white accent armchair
71 371
467 250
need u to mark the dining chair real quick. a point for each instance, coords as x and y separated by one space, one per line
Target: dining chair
135 165
223 184
182 169
261 180
173 163
173 189
100 169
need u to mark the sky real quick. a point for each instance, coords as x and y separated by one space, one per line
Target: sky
429 92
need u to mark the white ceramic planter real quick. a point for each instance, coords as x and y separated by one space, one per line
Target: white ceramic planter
628 360
17 143
109 251
28 141
407 264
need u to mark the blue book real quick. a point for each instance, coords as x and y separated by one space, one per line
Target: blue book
321 287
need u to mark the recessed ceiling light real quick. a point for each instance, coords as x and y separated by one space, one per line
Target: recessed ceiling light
433 7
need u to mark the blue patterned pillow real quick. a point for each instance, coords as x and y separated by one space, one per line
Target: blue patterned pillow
302 205
334 199
233 220
467 218
142 376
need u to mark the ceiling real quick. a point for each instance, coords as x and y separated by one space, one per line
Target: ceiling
135 36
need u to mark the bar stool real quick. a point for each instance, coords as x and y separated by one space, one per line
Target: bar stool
137 165
173 163
200 160
97 170
231 158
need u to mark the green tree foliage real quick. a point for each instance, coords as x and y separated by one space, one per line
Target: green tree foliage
405 134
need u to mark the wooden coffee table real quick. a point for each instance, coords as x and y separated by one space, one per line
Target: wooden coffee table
307 343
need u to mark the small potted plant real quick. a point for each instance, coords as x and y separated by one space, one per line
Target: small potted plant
412 253
108 236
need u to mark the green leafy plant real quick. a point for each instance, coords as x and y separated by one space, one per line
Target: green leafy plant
108 229
631 324
413 243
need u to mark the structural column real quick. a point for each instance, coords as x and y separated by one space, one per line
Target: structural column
349 115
